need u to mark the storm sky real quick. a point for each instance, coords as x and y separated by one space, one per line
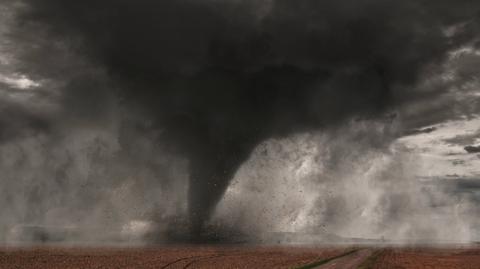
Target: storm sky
205 110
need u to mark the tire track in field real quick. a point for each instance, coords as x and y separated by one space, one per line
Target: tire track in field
320 263
206 258
370 262
351 261
197 259
182 259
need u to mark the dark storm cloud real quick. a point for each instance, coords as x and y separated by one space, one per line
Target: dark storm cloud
472 149
460 185
218 77
469 184
17 122
464 140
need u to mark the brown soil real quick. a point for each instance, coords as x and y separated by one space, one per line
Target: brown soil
171 257
422 258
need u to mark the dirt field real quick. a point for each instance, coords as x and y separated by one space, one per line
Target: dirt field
172 257
429 258
239 257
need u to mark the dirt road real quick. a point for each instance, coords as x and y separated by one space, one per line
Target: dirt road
351 261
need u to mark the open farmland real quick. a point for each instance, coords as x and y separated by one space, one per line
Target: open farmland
240 257
171 257
423 258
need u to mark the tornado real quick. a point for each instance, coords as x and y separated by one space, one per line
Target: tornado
216 78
